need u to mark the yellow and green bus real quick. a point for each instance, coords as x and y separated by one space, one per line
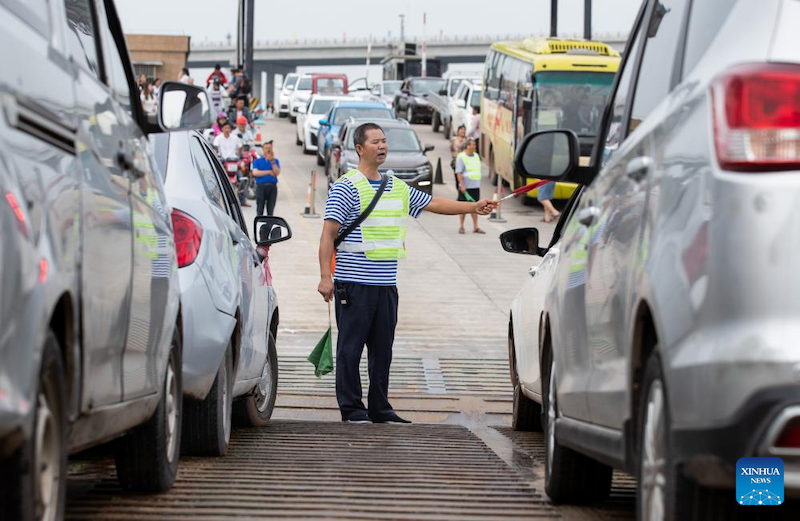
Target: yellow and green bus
542 84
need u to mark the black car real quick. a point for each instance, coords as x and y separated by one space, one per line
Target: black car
406 158
411 101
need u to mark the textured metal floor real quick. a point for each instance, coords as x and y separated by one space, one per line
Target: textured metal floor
321 470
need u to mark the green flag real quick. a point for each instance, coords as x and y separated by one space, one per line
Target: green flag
322 355
468 197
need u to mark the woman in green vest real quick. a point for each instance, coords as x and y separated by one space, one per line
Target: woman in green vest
468 173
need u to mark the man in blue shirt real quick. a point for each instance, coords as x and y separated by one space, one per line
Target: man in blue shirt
266 170
366 272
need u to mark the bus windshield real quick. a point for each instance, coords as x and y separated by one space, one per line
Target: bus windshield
572 100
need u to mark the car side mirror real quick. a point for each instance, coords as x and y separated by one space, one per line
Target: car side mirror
183 107
428 148
522 240
323 122
460 103
270 230
550 154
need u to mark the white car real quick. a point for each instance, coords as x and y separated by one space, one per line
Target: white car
524 323
289 83
229 307
300 96
308 118
384 92
467 96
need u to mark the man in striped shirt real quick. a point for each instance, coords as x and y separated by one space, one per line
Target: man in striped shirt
365 277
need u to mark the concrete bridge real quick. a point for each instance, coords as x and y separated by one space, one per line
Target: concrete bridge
284 56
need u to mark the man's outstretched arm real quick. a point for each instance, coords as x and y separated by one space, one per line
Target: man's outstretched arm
449 207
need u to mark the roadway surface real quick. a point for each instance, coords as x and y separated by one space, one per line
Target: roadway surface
459 460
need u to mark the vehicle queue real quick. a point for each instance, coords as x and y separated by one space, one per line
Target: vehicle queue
614 358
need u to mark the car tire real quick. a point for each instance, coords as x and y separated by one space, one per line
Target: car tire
207 423
682 498
448 132
306 151
320 159
255 410
410 114
297 141
34 477
283 114
436 122
570 477
526 414
293 119
147 457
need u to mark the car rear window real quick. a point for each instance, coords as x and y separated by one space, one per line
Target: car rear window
426 86
330 85
344 114
304 84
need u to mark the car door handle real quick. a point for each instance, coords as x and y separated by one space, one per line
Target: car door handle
588 216
638 167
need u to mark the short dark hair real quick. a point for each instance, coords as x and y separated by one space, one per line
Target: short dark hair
360 135
472 140
227 123
217 66
460 127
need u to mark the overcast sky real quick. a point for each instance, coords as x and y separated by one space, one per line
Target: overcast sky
214 19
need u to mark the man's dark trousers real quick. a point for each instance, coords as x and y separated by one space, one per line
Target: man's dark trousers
369 318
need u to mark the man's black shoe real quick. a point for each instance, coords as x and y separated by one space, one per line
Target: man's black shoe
360 418
395 419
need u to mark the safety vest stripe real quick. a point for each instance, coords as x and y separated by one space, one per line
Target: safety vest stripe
388 204
360 247
384 221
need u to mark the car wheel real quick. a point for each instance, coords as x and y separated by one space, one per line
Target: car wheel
410 114
297 141
436 122
256 409
306 151
664 493
293 119
34 477
147 457
207 423
447 130
320 159
570 477
282 114
526 414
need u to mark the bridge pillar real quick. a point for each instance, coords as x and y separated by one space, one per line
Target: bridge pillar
271 68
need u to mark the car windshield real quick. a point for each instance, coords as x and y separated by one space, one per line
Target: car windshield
397 139
330 85
391 87
321 106
291 81
304 84
343 114
476 99
571 100
454 86
425 86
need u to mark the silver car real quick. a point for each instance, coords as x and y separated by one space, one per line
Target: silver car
230 310
669 343
90 344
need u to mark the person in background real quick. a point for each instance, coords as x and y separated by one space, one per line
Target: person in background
148 99
228 144
217 95
156 87
222 118
240 109
545 195
266 170
217 75
243 132
141 82
270 110
184 76
457 145
474 131
468 174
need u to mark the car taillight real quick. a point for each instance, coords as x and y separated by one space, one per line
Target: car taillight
338 154
188 234
790 436
757 118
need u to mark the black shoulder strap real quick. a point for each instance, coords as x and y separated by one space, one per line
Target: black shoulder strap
355 224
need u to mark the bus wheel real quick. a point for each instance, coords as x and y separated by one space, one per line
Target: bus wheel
492 172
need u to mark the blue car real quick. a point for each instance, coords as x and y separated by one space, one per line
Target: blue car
330 125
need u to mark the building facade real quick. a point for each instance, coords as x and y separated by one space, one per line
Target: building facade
158 56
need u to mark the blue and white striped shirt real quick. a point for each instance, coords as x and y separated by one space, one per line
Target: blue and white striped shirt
344 206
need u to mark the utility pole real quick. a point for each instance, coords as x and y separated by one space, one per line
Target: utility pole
402 28
248 43
424 46
553 18
587 19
